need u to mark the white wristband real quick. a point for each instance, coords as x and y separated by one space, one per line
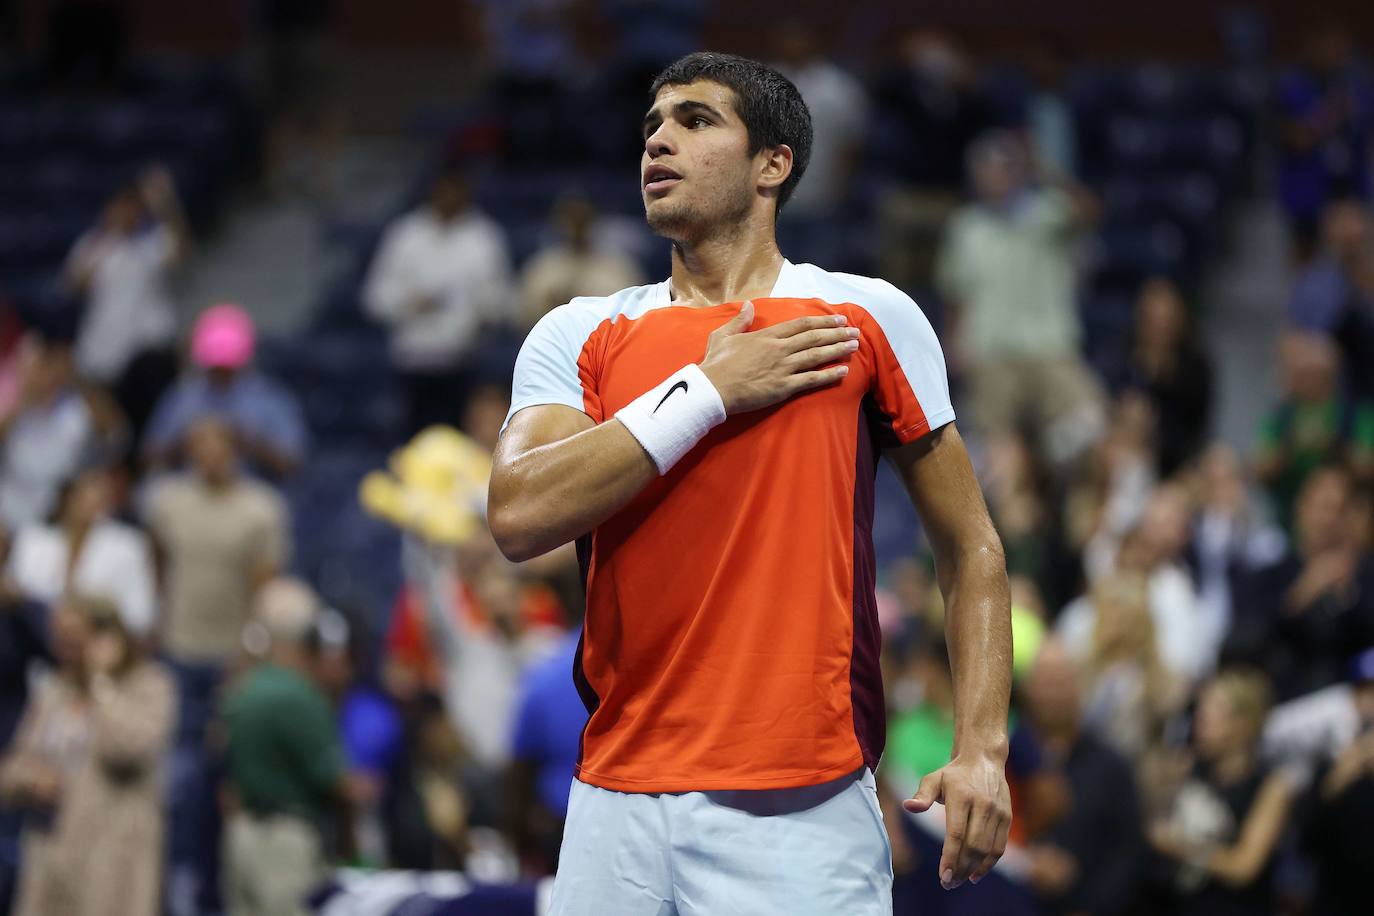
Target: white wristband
671 417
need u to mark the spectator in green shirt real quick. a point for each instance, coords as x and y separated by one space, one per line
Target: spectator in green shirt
285 762
1314 424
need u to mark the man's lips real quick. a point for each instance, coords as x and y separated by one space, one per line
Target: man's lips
660 178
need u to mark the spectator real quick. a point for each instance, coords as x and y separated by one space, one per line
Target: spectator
53 430
1335 293
1339 836
428 807
1326 107
264 416
23 641
1313 424
547 740
1169 366
1071 868
1049 119
1217 841
87 552
839 116
120 268
285 763
108 824
1303 616
1007 272
441 272
576 266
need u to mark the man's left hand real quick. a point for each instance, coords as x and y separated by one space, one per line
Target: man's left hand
977 815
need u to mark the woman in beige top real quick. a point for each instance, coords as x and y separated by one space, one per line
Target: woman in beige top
86 761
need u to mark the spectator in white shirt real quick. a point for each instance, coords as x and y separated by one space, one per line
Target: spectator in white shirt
86 552
127 337
442 272
580 264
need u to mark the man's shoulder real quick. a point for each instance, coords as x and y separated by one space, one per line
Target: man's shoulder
884 302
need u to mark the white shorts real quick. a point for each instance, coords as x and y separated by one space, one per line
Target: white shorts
813 851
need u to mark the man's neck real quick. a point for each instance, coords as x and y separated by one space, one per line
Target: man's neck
726 268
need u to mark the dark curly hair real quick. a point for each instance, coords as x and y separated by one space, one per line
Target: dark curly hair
766 101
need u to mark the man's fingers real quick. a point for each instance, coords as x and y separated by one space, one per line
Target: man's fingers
820 338
999 846
978 840
806 323
930 791
957 812
817 378
740 323
819 356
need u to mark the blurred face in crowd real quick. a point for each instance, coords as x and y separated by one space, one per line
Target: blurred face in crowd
46 369
1165 525
1222 478
1345 229
797 45
1160 314
123 213
696 172
1322 506
997 170
450 195
1310 365
70 633
210 447
1229 718
484 414
576 217
1052 689
935 58
88 499
1123 629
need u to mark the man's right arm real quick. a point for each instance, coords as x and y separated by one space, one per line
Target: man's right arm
557 474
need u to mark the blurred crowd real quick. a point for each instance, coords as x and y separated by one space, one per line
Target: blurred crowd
191 726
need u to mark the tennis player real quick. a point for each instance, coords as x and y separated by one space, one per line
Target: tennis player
711 442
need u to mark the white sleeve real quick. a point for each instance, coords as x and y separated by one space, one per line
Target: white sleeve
547 371
389 284
910 385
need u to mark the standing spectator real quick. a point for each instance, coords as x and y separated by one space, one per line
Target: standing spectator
1303 616
1339 834
120 268
577 266
285 763
265 417
1072 869
108 827
1049 120
52 430
220 536
1007 272
839 116
87 552
441 272
1313 424
1217 840
1169 366
1327 111
1335 293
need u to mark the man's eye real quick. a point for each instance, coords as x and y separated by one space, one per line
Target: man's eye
699 121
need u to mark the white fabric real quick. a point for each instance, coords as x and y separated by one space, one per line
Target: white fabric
671 417
45 447
462 264
546 371
115 562
814 851
128 309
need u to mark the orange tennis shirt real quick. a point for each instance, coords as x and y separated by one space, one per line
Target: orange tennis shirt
731 638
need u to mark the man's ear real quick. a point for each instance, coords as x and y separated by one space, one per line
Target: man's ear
777 165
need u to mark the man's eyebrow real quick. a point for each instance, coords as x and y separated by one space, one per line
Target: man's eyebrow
653 117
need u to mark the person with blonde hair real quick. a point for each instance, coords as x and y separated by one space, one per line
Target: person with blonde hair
87 759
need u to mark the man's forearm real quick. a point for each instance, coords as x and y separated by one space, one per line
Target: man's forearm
978 632
550 495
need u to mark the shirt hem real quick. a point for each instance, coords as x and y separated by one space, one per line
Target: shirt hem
650 786
915 431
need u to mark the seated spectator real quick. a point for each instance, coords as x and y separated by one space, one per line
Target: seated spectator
54 428
443 270
127 335
1008 275
1216 843
264 416
1167 363
104 847
547 740
427 806
1338 836
87 552
576 266
1302 617
1313 424
285 764
1071 868
1334 294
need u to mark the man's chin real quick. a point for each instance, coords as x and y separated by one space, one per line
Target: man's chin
669 222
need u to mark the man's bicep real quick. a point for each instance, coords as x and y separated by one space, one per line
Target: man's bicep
539 425
936 472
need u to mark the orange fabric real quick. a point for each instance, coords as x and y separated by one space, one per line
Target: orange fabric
721 602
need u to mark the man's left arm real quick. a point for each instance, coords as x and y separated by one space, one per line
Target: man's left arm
971 568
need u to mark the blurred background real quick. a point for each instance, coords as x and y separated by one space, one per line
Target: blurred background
264 270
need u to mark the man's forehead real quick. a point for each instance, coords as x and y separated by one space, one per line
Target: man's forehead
707 92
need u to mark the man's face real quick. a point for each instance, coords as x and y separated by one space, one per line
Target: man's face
696 172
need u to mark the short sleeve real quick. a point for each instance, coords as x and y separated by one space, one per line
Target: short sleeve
552 367
910 385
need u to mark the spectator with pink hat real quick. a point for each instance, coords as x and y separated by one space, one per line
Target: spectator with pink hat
263 415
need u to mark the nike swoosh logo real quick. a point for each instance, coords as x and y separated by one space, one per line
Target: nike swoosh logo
682 385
